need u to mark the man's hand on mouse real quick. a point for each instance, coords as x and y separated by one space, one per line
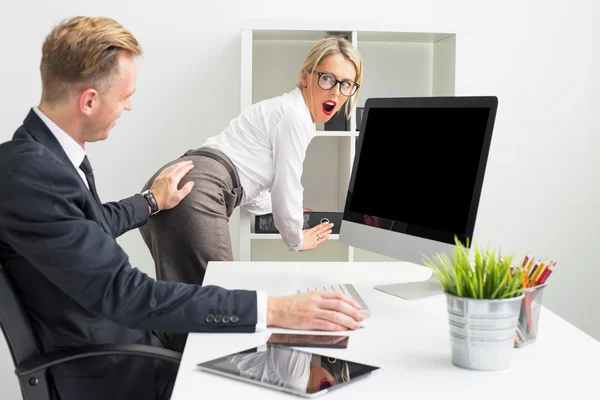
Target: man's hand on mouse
317 310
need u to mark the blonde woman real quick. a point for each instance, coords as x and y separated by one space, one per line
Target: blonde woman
256 163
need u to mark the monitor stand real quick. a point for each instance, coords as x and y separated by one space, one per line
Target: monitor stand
414 290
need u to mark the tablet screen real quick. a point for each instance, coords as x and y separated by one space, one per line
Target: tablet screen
287 369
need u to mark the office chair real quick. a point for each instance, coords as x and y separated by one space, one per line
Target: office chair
31 364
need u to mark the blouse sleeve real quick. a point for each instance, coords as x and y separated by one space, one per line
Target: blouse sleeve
290 142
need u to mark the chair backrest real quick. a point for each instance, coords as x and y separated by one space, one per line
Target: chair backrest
15 324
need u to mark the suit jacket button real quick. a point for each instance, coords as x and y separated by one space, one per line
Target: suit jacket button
209 318
218 318
225 319
234 319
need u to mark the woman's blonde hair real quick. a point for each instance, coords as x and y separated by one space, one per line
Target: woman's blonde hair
334 45
82 52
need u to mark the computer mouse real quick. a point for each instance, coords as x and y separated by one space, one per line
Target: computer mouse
363 323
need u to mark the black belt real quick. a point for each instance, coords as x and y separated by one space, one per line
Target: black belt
221 160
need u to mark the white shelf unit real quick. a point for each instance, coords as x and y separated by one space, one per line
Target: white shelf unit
396 64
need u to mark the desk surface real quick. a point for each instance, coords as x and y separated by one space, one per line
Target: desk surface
409 340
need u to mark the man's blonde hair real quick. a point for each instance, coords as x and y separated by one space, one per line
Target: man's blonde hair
83 52
334 45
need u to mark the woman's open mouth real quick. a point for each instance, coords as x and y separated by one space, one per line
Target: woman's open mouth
329 106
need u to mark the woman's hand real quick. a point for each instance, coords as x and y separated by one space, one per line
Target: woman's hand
316 235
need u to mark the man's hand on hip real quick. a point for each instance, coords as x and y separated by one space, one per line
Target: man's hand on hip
326 311
165 186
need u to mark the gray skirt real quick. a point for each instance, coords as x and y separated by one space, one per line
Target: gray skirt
184 239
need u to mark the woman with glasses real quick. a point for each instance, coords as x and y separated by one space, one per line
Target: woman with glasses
255 163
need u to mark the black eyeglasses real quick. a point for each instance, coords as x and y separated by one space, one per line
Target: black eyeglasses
327 82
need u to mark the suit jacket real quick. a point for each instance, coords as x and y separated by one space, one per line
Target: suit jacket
58 247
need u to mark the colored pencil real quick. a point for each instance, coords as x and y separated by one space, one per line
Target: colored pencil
538 273
546 274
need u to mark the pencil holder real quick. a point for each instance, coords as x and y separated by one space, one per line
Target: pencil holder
527 328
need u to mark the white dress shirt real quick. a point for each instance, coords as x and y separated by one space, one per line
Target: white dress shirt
75 153
267 144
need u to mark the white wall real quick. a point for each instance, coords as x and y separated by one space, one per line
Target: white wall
540 58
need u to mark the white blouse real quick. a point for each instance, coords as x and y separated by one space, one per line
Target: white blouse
267 144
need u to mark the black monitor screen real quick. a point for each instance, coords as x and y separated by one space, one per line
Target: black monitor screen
417 168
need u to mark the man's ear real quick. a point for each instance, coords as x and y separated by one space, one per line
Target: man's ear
88 101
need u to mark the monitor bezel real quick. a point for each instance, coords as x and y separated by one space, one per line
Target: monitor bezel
490 102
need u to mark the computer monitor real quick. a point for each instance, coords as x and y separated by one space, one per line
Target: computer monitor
416 179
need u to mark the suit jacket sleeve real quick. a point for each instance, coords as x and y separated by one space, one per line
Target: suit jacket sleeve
127 214
43 219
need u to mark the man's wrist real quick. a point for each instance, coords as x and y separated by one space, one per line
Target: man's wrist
152 203
271 311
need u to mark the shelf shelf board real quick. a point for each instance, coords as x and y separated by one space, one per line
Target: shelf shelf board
338 133
401 37
363 36
301 35
277 236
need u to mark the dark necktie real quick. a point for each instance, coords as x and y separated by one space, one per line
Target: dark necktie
86 167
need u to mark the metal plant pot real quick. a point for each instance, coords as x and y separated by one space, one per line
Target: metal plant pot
482 332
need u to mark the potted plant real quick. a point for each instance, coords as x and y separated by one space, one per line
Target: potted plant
484 297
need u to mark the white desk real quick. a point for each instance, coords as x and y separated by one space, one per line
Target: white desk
409 340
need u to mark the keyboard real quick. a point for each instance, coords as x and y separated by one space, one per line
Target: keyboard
346 288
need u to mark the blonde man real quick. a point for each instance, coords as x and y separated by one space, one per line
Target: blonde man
57 239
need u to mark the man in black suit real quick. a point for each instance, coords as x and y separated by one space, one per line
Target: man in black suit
57 240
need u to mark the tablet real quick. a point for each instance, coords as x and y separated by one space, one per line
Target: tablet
286 369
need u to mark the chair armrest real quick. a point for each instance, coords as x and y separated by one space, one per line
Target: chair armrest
135 350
